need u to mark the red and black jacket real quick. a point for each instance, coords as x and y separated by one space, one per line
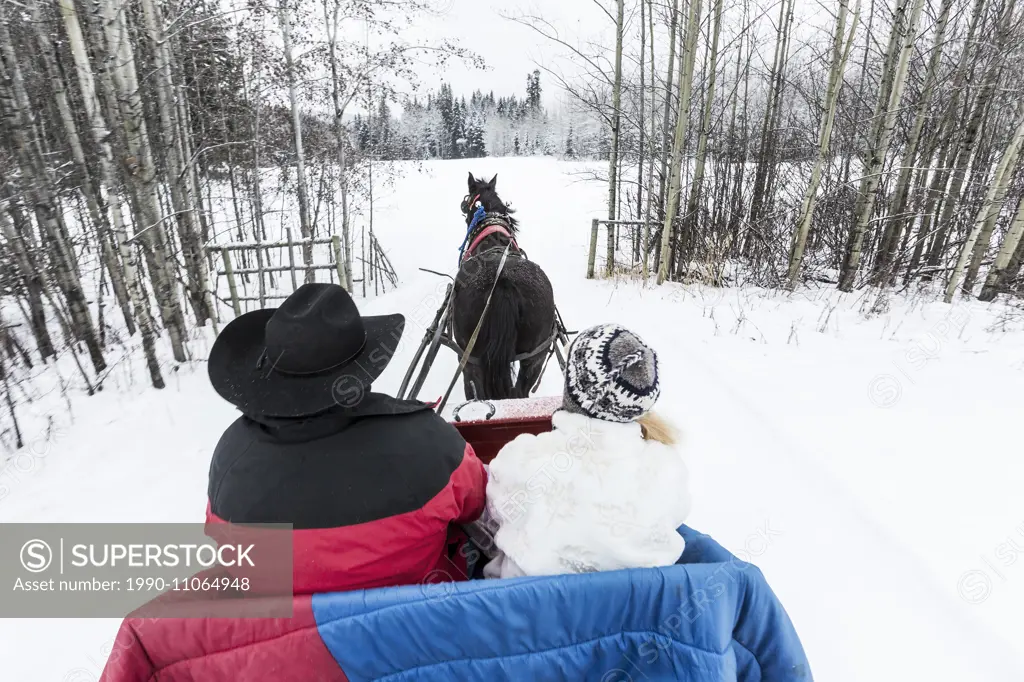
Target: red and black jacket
371 491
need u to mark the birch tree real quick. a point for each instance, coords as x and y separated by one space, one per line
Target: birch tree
331 19
993 202
108 188
840 54
997 276
705 123
1000 184
39 186
667 113
888 109
613 157
300 158
686 63
897 222
140 168
32 279
98 216
178 174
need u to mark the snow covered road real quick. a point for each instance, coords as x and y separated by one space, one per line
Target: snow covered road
869 466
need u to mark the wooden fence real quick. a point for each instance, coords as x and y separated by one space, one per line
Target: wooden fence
634 230
375 267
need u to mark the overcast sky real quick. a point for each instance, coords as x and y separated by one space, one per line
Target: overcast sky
510 50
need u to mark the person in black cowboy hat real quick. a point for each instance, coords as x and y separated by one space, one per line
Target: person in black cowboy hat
372 485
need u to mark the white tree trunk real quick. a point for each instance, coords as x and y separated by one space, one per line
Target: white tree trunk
195 268
883 270
993 202
613 157
140 169
108 188
705 123
646 242
840 54
886 124
340 137
16 117
32 278
686 63
93 198
300 159
1011 242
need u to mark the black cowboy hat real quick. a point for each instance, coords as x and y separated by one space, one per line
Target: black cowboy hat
311 354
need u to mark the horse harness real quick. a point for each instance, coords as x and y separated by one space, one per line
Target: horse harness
482 226
485 224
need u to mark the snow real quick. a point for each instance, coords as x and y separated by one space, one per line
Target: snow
865 461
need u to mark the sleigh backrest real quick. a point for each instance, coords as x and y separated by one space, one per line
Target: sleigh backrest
511 418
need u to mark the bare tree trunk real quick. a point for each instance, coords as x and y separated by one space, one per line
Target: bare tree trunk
769 126
945 134
300 159
968 145
686 64
883 272
108 172
141 171
989 210
666 118
690 220
176 165
613 161
645 246
93 200
839 56
888 109
39 187
1000 184
341 139
1012 243
641 123
32 280
736 200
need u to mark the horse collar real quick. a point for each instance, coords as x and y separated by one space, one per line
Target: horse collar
491 225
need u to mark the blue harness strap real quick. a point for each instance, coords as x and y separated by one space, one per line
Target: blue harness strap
477 217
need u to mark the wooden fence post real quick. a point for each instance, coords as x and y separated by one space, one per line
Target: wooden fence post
593 248
291 258
613 240
232 287
338 262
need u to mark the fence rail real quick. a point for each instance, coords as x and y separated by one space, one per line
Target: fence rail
640 251
375 268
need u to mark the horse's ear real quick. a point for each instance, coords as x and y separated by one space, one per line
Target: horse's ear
472 181
493 182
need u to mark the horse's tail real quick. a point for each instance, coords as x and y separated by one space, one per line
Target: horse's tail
497 341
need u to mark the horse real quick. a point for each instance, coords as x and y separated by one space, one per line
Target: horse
520 322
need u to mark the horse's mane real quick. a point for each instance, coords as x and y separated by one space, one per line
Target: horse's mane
493 203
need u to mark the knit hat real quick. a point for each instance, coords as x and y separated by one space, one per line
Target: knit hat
611 374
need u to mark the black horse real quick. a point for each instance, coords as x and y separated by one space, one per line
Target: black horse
521 319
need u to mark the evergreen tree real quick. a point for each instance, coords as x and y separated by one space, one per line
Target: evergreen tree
533 90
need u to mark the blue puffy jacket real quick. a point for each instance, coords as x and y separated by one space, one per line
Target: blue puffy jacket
710 618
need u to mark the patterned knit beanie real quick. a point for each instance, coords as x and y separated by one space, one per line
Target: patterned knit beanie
611 374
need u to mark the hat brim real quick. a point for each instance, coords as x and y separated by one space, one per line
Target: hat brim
262 391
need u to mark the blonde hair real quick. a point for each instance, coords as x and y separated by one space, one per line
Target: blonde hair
655 427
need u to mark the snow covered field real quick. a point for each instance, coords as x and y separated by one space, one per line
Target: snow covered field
870 465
